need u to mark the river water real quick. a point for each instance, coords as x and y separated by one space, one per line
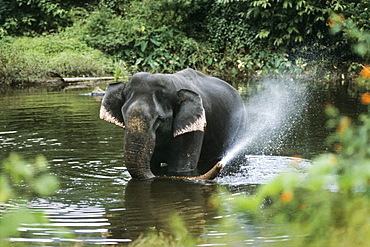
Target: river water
99 204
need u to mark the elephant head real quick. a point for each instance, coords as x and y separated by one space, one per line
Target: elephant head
153 114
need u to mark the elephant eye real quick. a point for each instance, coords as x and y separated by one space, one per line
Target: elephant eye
158 122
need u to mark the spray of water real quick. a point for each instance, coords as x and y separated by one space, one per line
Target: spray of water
272 111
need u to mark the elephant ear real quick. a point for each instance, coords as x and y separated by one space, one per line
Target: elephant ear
190 115
112 103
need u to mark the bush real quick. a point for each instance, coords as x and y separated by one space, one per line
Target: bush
358 37
24 17
284 22
158 44
34 59
358 12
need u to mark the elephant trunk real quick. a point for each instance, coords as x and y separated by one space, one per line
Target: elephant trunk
138 152
211 174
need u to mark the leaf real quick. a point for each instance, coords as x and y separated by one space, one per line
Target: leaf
5 189
41 163
360 49
155 42
287 5
46 184
299 38
143 46
263 34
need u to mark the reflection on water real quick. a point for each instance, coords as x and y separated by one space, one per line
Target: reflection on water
149 204
98 202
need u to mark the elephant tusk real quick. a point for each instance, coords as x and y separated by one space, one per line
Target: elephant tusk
107 116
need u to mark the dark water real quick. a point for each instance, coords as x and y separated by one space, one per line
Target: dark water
98 202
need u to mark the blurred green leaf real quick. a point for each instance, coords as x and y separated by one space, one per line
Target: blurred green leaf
46 184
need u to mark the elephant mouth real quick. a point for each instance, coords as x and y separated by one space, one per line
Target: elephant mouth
107 116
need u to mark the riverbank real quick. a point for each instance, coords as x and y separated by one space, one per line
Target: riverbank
48 60
237 41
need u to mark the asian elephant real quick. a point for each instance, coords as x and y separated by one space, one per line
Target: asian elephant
186 120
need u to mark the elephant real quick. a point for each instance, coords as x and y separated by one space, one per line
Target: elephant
179 123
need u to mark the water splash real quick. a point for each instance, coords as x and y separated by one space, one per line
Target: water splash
259 169
272 111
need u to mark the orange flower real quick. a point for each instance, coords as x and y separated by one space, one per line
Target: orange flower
286 196
344 123
296 159
365 99
365 72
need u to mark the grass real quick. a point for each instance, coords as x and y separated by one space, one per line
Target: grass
25 59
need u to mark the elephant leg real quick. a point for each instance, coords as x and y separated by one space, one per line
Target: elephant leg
185 151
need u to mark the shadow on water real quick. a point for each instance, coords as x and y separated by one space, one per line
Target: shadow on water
98 202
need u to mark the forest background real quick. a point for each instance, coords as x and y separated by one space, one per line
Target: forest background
230 39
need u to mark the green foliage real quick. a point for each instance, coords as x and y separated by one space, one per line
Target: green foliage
159 43
117 6
287 22
228 27
358 12
34 17
165 43
358 37
12 220
20 179
228 38
32 59
27 17
120 70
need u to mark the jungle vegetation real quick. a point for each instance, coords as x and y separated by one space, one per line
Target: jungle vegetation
227 38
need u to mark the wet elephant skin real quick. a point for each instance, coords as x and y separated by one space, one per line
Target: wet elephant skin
186 120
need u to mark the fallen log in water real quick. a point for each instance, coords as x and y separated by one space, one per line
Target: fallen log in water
77 79
82 79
